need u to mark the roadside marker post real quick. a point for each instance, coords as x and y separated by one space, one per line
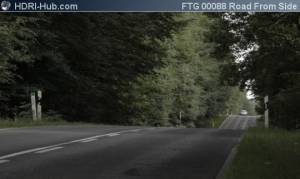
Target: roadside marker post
266 101
33 106
180 116
38 104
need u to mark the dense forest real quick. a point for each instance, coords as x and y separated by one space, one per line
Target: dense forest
124 68
270 43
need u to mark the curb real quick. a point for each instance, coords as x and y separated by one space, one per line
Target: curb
227 162
229 159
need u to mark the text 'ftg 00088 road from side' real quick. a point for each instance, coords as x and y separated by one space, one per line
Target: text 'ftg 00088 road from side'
233 6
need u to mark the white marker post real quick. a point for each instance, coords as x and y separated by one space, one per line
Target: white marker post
180 116
33 106
39 105
266 100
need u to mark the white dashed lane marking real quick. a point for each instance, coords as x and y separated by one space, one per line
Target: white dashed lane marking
236 124
245 124
3 161
21 153
90 140
59 146
113 134
48 150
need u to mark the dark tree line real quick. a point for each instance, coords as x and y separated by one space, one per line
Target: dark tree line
129 68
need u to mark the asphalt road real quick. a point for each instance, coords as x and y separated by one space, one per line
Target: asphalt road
114 152
239 122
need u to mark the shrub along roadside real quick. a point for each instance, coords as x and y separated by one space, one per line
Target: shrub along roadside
30 123
267 154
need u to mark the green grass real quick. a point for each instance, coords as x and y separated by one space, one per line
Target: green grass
267 154
31 123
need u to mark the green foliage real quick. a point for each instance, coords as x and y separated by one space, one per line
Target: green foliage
18 41
188 83
81 61
128 68
272 67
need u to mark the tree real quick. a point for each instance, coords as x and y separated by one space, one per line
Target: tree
83 66
188 84
272 66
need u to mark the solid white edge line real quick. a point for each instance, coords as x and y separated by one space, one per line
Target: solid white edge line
48 150
228 123
225 121
57 145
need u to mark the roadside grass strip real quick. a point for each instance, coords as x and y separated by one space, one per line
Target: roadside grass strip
29 123
267 154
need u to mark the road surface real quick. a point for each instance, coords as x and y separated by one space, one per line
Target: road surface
239 122
111 152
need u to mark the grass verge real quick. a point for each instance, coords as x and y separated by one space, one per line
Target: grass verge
31 123
267 154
